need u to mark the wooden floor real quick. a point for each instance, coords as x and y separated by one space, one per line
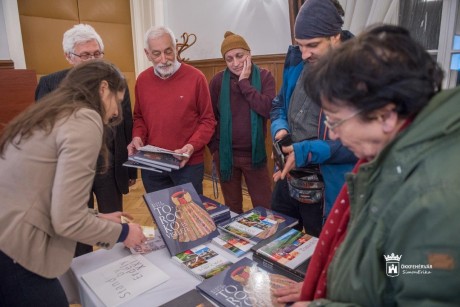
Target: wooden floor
133 203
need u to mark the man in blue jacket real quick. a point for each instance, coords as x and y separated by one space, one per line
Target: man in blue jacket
318 28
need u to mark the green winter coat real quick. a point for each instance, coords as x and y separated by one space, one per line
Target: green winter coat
406 202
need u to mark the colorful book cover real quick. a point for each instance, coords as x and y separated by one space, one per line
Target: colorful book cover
156 159
290 249
191 298
245 284
215 208
202 261
124 279
257 224
234 245
181 218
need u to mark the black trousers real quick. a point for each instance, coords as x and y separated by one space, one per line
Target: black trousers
20 287
310 216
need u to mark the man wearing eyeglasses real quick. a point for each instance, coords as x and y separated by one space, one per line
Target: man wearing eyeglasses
318 28
82 43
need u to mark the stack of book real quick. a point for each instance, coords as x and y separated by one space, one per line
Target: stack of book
155 159
257 224
219 212
289 250
186 226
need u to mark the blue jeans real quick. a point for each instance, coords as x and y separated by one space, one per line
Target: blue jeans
20 287
189 173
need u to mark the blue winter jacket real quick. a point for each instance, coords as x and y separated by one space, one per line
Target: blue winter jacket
333 158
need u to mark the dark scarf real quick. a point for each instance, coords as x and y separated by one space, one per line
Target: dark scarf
259 156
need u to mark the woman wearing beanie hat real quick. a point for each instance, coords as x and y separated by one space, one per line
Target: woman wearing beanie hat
241 96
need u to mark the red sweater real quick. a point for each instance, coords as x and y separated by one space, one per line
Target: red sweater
172 112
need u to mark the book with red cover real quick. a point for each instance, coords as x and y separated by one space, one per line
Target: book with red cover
181 218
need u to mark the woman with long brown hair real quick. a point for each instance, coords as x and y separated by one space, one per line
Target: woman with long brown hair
47 164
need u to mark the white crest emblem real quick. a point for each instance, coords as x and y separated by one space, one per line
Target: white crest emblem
392 266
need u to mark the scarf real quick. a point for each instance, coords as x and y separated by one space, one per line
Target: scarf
331 237
259 156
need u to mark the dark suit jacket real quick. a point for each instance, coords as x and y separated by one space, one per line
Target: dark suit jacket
122 135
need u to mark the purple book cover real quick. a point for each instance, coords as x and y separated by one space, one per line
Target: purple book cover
181 218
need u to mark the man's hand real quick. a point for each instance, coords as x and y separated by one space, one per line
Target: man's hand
247 68
281 134
187 149
134 146
289 160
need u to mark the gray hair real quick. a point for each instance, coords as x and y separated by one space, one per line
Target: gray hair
78 34
156 32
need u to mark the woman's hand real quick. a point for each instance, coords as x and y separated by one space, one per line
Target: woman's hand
115 216
288 294
135 236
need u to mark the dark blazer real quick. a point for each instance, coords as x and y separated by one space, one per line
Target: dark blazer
123 132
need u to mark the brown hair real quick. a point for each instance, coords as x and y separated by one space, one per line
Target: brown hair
80 89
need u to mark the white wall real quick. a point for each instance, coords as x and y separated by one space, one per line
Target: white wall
4 52
263 23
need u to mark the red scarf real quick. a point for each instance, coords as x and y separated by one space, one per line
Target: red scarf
332 235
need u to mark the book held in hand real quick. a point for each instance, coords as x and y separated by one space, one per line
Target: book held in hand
151 148
245 283
289 249
124 279
181 218
135 164
257 224
158 160
202 261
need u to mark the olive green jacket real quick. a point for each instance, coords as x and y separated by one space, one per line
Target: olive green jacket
406 202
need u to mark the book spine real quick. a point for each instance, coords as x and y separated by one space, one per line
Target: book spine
270 264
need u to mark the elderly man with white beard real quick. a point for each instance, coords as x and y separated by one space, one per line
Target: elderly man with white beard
172 110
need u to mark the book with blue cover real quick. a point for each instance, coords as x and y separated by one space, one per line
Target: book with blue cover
257 224
245 283
181 218
219 212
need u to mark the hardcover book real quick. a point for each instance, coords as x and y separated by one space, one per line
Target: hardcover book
257 224
181 218
134 164
234 245
202 261
151 148
156 159
245 284
290 250
219 212
124 279
190 298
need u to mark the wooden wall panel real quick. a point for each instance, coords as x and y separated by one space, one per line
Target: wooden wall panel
273 63
17 87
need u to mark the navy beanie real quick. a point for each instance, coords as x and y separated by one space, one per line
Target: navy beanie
317 18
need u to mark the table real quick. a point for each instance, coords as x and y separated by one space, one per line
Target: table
180 280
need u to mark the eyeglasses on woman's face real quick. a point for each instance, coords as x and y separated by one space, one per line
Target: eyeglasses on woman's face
333 125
